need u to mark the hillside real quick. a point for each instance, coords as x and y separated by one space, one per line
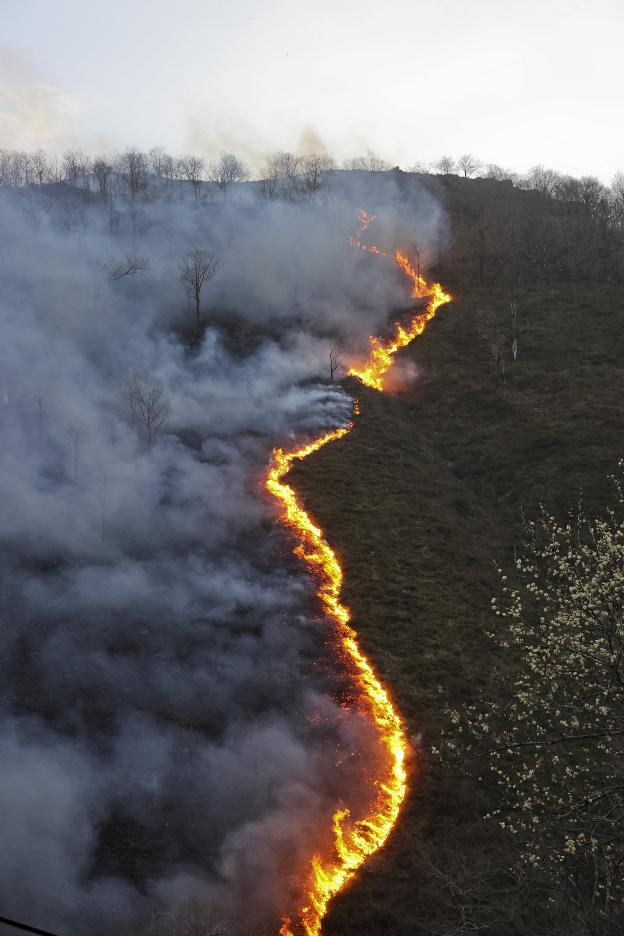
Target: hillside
422 501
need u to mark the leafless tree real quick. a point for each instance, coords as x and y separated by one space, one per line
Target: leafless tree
133 167
227 170
542 180
164 167
102 170
193 168
197 268
370 162
335 360
287 165
468 164
280 175
493 171
40 166
145 398
445 165
129 266
316 172
76 167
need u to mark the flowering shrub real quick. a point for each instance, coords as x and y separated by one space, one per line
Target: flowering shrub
552 728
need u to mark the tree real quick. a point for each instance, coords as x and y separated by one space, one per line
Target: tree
133 167
551 729
40 166
129 266
192 168
468 164
197 268
102 170
227 170
542 180
316 172
164 167
370 162
145 398
446 165
76 166
335 360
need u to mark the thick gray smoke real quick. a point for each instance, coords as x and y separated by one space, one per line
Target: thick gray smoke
170 717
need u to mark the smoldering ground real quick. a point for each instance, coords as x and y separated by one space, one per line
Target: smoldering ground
171 725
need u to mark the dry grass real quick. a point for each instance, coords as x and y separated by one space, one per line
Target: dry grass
421 500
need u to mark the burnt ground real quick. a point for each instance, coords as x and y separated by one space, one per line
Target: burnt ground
422 501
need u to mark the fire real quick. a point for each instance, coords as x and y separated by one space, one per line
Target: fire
381 352
354 838
355 240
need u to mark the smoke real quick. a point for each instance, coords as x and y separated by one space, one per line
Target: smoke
171 721
32 110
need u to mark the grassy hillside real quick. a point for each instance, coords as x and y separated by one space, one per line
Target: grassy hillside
422 500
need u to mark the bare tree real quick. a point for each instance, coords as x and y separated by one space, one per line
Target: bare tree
370 162
133 167
40 166
102 170
445 165
164 167
129 266
227 170
468 164
542 180
76 167
316 172
193 168
335 360
145 398
197 268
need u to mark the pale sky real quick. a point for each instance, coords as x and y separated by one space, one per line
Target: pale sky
516 83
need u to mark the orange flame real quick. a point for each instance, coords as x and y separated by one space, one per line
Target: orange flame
381 353
354 839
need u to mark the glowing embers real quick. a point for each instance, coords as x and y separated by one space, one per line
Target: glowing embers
354 839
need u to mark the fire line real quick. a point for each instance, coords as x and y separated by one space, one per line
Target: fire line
354 839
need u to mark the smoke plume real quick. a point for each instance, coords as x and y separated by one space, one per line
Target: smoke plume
171 717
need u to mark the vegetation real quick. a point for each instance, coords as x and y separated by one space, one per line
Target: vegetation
511 399
551 735
424 501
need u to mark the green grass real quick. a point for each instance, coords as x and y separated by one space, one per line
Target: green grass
422 501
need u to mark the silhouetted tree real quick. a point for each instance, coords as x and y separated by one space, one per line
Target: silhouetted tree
468 164
227 170
197 268
146 400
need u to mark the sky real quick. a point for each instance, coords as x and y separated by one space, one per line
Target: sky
514 83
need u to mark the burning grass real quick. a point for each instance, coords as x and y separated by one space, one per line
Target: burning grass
420 500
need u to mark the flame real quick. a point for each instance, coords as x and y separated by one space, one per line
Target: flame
355 240
354 838
382 351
